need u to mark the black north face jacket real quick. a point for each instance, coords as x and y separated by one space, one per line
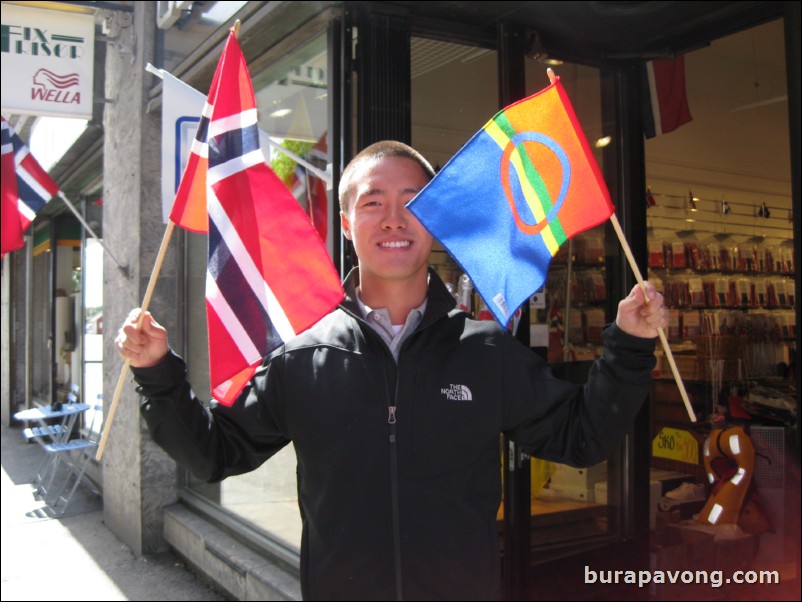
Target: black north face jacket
399 464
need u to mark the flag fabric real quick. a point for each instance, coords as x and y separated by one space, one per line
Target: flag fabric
269 275
181 106
189 207
650 202
520 187
26 188
665 101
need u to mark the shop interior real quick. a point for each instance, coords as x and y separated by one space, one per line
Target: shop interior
720 240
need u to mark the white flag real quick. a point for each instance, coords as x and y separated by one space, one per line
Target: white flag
182 106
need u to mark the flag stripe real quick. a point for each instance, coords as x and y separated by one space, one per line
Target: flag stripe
253 275
235 329
232 167
534 189
234 143
240 121
245 305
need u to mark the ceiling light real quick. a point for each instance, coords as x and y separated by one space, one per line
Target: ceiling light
283 112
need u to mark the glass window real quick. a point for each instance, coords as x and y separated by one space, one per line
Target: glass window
292 101
448 108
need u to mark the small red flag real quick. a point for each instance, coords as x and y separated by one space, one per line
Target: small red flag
668 100
26 188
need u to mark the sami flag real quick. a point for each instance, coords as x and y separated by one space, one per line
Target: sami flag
26 188
520 187
269 275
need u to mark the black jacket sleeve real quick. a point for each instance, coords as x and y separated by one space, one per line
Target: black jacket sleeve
574 424
211 444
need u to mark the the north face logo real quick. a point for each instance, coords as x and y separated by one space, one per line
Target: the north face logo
457 393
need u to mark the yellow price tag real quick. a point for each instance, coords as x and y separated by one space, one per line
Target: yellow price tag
676 444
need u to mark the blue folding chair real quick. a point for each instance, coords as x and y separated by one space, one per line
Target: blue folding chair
75 455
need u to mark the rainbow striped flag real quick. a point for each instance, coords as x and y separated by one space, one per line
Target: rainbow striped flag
520 187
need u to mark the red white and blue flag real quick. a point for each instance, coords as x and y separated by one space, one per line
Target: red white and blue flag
26 188
269 275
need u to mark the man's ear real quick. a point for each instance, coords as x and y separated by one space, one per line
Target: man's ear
346 225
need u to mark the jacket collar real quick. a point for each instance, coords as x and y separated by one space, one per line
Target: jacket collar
440 301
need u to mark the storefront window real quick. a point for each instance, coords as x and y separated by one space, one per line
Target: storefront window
720 240
292 102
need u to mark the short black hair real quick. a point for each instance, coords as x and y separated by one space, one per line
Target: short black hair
374 152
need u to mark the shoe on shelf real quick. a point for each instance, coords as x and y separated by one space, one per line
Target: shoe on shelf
687 492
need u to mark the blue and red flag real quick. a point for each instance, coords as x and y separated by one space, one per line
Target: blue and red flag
520 187
269 275
26 188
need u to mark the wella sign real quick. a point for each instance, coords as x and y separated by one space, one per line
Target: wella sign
47 62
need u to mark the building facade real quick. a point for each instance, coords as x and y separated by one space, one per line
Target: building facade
333 77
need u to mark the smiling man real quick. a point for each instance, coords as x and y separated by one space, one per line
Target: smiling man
391 244
394 403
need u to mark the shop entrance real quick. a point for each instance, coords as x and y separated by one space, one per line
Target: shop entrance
721 246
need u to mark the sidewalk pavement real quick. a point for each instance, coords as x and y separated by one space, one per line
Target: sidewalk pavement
74 556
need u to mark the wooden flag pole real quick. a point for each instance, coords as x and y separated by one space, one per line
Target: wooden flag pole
154 276
634 266
661 334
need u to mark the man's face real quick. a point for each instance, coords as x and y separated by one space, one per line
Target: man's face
389 240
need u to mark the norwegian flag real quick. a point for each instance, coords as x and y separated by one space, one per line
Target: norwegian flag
269 275
26 188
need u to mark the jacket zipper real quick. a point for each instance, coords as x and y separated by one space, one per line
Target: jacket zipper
391 419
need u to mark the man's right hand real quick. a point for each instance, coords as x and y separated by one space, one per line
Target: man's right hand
145 347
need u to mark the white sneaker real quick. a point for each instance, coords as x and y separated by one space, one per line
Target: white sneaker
687 492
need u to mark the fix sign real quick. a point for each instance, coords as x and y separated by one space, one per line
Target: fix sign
48 59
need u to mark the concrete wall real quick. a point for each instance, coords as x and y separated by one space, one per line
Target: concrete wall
139 479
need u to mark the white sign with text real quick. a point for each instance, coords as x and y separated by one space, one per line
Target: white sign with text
48 60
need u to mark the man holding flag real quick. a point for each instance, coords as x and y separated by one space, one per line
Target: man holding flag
394 400
394 403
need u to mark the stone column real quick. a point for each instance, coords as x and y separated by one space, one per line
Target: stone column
138 478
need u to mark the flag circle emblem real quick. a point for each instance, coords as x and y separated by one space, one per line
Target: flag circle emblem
533 180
